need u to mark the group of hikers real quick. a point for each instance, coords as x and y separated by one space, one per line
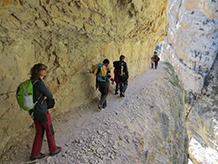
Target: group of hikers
103 78
41 97
121 76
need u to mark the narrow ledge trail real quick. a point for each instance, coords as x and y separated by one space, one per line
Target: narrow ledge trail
86 134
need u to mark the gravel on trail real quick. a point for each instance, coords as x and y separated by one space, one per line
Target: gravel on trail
88 135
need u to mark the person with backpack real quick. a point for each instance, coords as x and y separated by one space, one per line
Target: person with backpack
154 60
42 118
122 73
103 76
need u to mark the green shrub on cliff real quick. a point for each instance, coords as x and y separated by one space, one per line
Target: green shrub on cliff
174 79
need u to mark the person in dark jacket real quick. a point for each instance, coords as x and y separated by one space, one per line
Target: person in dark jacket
123 78
154 60
103 84
42 118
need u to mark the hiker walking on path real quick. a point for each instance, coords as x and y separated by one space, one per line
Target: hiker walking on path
122 73
102 81
154 60
123 78
42 118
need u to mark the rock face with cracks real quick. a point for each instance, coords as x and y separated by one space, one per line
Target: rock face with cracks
69 37
191 46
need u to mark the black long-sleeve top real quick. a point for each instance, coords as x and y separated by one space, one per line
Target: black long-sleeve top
40 92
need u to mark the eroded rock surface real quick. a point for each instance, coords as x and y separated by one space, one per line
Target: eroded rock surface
191 46
191 42
69 36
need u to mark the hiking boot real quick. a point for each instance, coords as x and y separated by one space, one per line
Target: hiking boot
99 106
37 157
56 152
122 94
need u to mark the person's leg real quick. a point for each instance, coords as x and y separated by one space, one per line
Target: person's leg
117 85
50 133
121 86
125 84
103 88
105 104
103 99
122 89
120 83
156 63
152 65
37 144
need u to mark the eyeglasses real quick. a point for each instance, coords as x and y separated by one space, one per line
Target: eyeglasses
43 68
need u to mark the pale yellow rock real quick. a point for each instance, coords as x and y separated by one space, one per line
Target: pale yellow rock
69 37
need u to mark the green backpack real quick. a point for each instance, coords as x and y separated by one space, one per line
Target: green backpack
24 95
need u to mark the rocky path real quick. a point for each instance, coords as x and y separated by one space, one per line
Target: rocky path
92 136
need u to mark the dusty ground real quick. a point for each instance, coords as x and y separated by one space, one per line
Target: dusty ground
86 135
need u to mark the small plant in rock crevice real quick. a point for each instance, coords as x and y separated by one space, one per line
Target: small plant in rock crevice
174 80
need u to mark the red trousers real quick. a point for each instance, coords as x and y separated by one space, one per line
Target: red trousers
43 123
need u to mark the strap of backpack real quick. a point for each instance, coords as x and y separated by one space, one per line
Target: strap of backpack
24 89
99 70
38 97
35 82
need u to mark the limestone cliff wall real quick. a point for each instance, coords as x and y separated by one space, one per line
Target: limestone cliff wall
191 42
69 36
191 46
